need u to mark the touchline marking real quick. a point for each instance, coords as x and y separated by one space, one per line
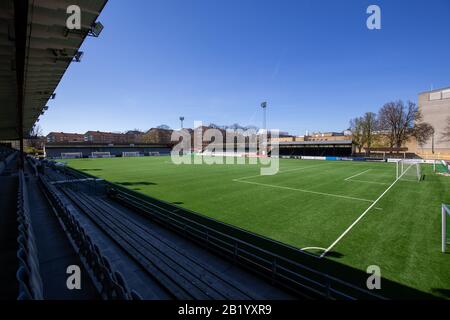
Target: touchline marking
296 169
362 215
358 174
304 190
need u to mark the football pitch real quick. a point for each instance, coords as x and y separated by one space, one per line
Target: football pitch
353 212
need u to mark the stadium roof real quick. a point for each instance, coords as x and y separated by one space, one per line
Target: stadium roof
36 49
337 142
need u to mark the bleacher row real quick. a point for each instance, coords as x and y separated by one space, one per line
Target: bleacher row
108 282
6 156
28 276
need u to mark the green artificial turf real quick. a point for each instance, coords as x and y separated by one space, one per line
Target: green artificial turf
310 204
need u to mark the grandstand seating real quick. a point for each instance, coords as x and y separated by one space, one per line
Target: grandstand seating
109 283
30 283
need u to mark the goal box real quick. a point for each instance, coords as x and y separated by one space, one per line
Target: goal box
131 154
101 155
71 155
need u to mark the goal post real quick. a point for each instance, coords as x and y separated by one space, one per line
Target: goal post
154 153
131 154
71 155
445 212
410 170
101 154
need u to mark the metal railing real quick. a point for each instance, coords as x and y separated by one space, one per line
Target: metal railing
30 283
274 260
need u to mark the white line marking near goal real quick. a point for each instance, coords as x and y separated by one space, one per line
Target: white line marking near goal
312 248
289 170
358 174
304 190
372 182
362 215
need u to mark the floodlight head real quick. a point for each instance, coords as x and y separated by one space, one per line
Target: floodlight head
96 29
264 105
45 108
78 55
181 118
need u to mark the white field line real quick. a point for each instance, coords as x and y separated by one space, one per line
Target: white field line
304 190
279 172
358 174
362 215
372 182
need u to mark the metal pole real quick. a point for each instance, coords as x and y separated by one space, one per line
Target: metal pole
20 17
444 228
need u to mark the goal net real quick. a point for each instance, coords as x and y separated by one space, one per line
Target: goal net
445 227
154 153
101 155
409 170
71 155
131 154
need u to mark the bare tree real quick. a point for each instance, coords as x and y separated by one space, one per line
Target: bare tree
398 120
163 126
356 128
34 136
369 124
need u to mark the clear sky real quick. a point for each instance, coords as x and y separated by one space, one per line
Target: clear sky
315 62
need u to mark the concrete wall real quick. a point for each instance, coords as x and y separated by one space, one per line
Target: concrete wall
435 108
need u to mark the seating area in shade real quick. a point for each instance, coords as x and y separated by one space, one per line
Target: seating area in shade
49 222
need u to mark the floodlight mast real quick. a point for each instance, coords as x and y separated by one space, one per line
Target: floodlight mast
181 120
264 107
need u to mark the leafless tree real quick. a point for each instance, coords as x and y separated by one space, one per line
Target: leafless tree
369 124
402 121
397 119
34 136
356 128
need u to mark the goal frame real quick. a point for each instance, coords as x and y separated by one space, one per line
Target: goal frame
400 168
154 154
131 154
101 154
445 214
78 155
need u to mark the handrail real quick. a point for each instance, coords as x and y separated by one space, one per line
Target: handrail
272 264
28 275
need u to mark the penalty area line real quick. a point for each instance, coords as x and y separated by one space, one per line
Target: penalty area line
361 216
303 190
358 174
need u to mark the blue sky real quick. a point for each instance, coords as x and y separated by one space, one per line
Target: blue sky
315 62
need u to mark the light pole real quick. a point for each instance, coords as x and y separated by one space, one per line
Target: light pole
264 107
181 120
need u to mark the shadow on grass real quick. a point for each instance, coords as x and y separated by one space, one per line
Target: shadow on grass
137 183
91 169
334 254
441 292
178 202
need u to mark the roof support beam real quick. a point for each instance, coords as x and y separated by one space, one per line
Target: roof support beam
20 24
